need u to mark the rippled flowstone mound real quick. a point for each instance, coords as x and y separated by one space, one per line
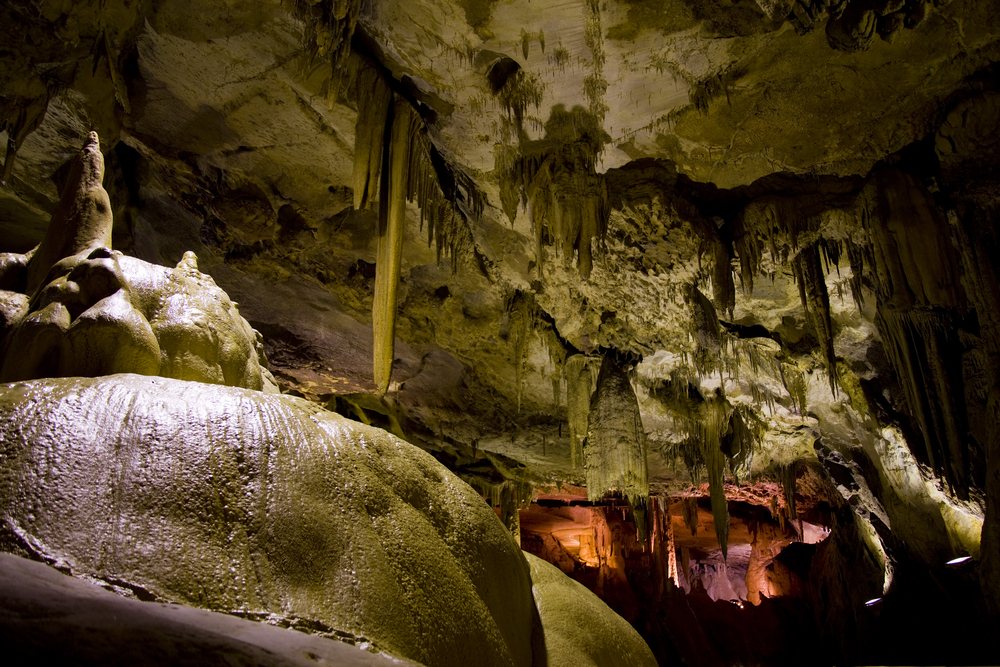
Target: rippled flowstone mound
232 499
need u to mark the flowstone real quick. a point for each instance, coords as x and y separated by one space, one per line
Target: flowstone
232 499
579 629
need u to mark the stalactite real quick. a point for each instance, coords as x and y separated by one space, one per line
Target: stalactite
29 116
745 436
521 313
707 335
788 480
374 99
581 380
509 496
715 464
795 385
615 455
392 219
710 430
724 290
394 160
918 346
689 507
816 302
121 92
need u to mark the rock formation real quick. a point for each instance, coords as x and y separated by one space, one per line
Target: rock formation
776 218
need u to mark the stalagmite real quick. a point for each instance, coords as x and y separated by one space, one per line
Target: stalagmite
510 504
615 455
671 544
82 221
581 379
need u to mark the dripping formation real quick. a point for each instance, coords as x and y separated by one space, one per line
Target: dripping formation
393 165
615 451
555 182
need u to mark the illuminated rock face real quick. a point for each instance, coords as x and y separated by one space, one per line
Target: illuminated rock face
601 174
236 500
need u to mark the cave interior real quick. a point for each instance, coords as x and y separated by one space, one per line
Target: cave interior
697 302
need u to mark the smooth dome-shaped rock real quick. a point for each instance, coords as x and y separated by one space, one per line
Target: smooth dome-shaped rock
579 629
236 500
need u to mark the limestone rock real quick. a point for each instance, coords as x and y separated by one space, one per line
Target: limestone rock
236 500
51 618
579 629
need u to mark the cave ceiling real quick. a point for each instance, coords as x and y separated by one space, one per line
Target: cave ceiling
664 131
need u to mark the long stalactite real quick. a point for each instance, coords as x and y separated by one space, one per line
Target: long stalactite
391 221
616 442
394 164
374 99
816 302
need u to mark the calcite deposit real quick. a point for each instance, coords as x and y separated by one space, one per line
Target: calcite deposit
701 298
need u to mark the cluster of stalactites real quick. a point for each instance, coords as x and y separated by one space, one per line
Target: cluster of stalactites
581 379
330 26
899 245
392 165
793 240
615 452
509 497
910 261
717 434
566 201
